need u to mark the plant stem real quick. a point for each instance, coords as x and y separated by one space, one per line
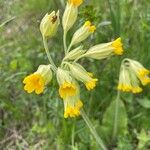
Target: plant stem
93 131
48 55
64 41
116 115
73 134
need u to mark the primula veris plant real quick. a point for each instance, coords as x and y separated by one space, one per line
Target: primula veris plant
69 73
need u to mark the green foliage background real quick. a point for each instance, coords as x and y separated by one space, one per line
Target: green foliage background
28 121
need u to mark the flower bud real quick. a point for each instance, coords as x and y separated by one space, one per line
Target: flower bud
79 73
82 33
49 24
70 14
75 53
105 50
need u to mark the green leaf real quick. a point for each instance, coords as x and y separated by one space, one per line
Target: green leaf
145 102
109 119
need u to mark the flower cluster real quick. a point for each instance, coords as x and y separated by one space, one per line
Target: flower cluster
131 74
70 72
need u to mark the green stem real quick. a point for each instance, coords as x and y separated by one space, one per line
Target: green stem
93 131
116 116
69 48
64 41
48 55
73 132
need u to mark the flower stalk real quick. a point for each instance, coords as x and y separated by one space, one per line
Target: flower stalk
115 129
93 131
48 55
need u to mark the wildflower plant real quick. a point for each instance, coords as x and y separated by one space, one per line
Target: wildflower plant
70 73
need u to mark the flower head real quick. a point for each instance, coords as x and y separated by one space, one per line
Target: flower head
131 74
49 24
105 50
82 75
37 81
82 33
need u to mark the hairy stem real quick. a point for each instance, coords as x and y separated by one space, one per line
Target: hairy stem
116 116
64 41
93 131
48 55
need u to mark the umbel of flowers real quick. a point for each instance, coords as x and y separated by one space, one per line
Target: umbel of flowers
70 72
132 75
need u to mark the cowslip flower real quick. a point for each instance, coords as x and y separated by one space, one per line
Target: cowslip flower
131 74
79 73
70 14
49 24
72 105
105 50
67 85
82 33
38 80
128 82
141 72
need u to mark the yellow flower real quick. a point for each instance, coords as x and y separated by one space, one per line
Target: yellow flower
67 85
117 45
141 72
82 33
132 72
91 84
76 2
34 82
72 104
89 26
67 89
72 107
37 81
105 50
79 73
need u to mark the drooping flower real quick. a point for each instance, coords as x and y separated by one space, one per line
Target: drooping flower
49 24
67 85
141 72
131 74
72 105
38 80
128 82
105 50
79 73
70 14
82 33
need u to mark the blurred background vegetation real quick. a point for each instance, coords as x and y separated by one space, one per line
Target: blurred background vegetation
28 121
